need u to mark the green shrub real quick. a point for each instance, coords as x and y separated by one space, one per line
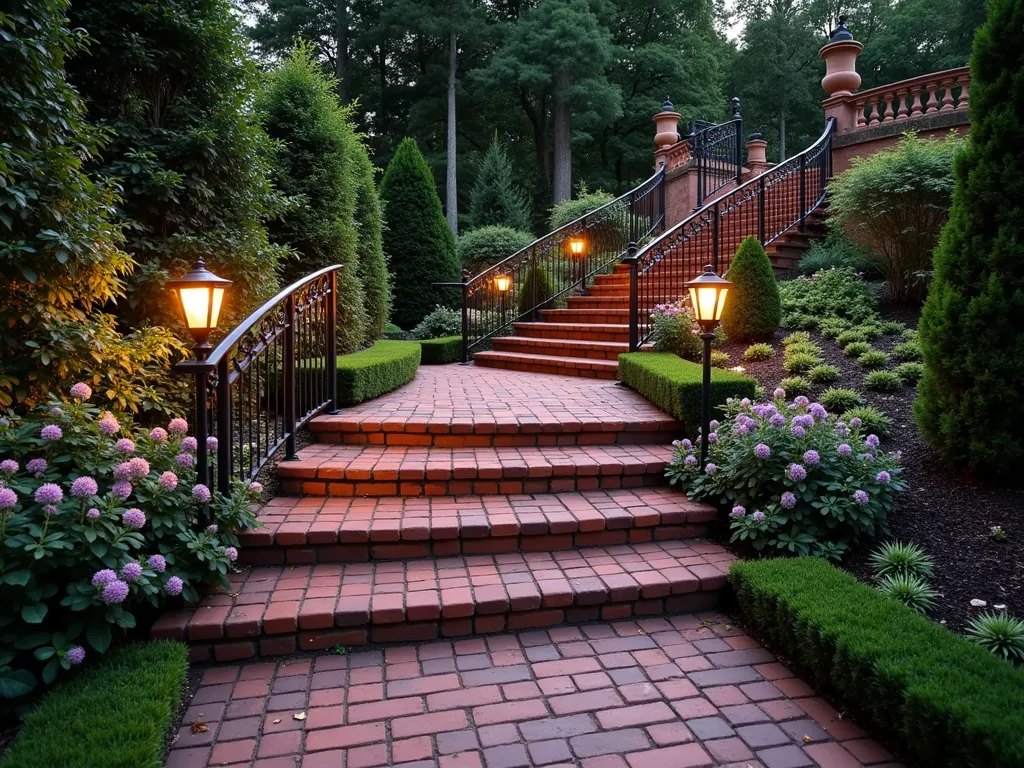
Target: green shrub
719 359
417 238
969 401
831 327
542 296
908 350
870 330
856 348
758 352
753 309
835 251
447 349
797 337
117 714
801 362
823 374
893 203
495 200
851 336
873 420
910 589
896 557
839 292
802 348
568 211
839 399
674 385
795 385
373 372
883 381
372 263
439 322
873 358
999 634
911 373
481 248
911 681
672 327
890 327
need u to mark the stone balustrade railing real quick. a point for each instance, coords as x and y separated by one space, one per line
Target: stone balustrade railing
928 94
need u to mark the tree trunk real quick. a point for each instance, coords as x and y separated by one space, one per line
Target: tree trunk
341 55
782 135
562 186
539 126
452 198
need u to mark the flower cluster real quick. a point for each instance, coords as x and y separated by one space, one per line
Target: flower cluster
795 478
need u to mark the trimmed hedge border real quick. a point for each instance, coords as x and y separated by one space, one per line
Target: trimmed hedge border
447 349
115 715
674 384
941 699
373 372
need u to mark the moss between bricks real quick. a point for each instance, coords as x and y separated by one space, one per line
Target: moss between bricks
447 349
373 372
932 695
674 384
114 715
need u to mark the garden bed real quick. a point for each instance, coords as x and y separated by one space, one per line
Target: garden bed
948 516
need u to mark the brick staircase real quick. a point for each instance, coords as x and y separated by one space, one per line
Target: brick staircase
471 501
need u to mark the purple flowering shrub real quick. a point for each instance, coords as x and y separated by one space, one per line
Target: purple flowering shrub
96 523
674 330
793 477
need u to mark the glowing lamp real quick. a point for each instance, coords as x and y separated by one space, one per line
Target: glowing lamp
201 294
576 246
708 292
503 283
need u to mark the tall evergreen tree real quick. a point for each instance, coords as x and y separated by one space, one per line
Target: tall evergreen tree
373 265
495 199
417 239
972 326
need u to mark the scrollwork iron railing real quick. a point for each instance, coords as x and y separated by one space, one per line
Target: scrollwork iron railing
717 152
544 273
265 379
766 206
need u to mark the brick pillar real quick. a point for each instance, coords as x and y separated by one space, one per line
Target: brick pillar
841 78
667 126
757 161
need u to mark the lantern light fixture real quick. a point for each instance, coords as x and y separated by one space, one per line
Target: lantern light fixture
577 245
503 283
708 293
201 295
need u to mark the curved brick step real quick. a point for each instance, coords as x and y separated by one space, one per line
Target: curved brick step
299 531
595 350
541 363
618 332
355 470
275 610
601 316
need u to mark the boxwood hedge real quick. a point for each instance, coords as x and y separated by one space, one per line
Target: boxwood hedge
447 349
373 372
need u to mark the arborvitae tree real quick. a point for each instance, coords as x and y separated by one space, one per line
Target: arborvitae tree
61 253
373 265
172 83
972 326
316 167
753 308
495 200
417 239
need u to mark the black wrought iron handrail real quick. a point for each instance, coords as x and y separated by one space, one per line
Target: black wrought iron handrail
717 152
544 272
266 378
766 206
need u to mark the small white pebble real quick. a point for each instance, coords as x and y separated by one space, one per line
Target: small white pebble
1000 607
976 603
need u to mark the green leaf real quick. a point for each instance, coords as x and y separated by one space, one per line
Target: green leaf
17 578
99 636
34 613
50 671
15 682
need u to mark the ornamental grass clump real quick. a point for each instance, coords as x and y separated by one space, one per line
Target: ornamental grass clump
873 358
1000 634
868 419
883 381
840 399
856 348
895 557
759 351
795 385
910 373
908 350
95 524
913 591
823 374
793 478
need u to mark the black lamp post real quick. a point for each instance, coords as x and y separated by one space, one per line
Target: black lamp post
708 292
201 295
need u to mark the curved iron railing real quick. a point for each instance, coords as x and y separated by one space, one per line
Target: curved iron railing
545 272
766 206
717 152
267 378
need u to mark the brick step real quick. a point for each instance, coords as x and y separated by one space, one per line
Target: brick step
357 470
617 278
277 610
593 332
560 366
620 288
595 350
368 425
600 316
307 530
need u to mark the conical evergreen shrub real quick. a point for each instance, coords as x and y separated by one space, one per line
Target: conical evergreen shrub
544 291
373 265
753 309
495 200
417 240
972 325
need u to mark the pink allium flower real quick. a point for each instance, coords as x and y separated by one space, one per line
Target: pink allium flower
93 513
777 420
256 487
883 478
189 445
211 443
103 577
131 572
134 518
178 427
159 434
49 493
797 430
122 489
231 553
690 461
8 498
51 432
738 511
185 460
714 424
855 422
745 402
200 493
75 655
801 401
108 424
844 449
762 451
211 530
712 437
861 497
711 468
36 466
758 516
157 563
779 394
139 467
796 472
10 466
788 500
56 411
83 487
686 444
124 445
169 481
818 411
50 509
811 457
174 585
872 440
115 592
81 391
123 471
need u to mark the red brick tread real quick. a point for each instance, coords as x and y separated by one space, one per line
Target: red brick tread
539 363
595 350
595 331
356 470
274 610
305 530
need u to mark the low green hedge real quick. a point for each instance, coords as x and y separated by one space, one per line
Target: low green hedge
447 349
674 384
373 372
114 715
938 698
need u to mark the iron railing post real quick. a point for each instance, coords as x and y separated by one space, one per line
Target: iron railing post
332 344
465 315
737 116
225 439
533 285
634 298
289 378
632 219
202 422
760 209
714 236
661 201
803 192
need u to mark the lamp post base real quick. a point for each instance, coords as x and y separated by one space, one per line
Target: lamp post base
705 399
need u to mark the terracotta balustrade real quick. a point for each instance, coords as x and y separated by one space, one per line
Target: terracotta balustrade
928 94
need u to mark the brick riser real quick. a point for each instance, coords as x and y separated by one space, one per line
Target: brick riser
499 441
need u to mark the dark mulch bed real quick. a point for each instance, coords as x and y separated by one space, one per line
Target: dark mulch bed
941 511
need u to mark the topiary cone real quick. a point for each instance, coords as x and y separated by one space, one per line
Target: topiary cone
753 308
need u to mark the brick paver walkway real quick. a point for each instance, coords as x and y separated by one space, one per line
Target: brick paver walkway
661 692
